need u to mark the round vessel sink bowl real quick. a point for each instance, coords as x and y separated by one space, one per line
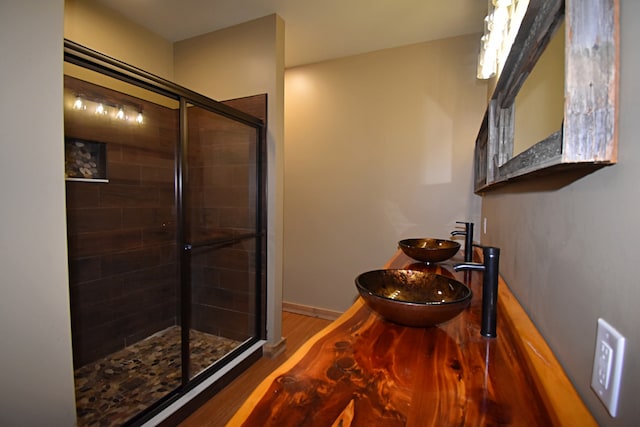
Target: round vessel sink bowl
429 250
413 298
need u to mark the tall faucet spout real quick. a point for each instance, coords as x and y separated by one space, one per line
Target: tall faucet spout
468 241
490 269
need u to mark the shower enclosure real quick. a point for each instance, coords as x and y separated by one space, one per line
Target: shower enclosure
166 240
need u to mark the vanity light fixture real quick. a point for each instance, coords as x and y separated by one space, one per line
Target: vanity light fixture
500 28
121 112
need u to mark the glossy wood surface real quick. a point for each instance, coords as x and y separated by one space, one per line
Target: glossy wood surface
364 371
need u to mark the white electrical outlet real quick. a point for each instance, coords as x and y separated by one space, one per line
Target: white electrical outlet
607 365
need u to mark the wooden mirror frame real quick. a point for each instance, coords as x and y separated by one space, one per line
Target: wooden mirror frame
588 137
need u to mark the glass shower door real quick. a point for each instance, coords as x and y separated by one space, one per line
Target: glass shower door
165 221
223 231
121 225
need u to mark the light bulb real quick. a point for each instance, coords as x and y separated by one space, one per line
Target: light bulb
100 109
120 114
78 105
139 118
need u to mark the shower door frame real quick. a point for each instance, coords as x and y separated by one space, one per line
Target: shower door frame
171 406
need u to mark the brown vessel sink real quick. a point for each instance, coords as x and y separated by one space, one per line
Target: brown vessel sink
429 250
413 298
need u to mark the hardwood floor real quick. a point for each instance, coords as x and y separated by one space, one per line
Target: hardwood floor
218 410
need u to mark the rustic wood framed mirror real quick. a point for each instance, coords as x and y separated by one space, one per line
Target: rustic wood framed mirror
586 137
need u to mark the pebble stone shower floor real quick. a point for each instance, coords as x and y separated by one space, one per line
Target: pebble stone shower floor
113 389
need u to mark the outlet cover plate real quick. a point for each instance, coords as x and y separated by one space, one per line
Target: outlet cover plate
607 365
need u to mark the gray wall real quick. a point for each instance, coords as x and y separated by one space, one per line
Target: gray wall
35 360
569 249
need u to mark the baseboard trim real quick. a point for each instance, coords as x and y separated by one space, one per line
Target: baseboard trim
274 350
308 310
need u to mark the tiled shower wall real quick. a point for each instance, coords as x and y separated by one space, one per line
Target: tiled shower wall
122 260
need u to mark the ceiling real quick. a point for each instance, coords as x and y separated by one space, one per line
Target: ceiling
315 30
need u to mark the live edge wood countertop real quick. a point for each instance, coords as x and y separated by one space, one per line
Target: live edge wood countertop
364 371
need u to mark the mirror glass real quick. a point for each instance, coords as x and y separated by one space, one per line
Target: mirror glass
539 105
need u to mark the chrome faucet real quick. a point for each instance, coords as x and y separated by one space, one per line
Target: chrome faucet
468 239
490 269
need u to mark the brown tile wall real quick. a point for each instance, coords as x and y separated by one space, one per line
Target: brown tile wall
121 234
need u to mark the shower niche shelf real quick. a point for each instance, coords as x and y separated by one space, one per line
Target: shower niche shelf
84 160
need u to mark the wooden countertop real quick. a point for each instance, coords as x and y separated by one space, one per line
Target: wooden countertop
364 371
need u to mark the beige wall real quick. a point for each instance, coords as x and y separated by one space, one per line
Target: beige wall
243 60
99 28
35 360
378 148
569 252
